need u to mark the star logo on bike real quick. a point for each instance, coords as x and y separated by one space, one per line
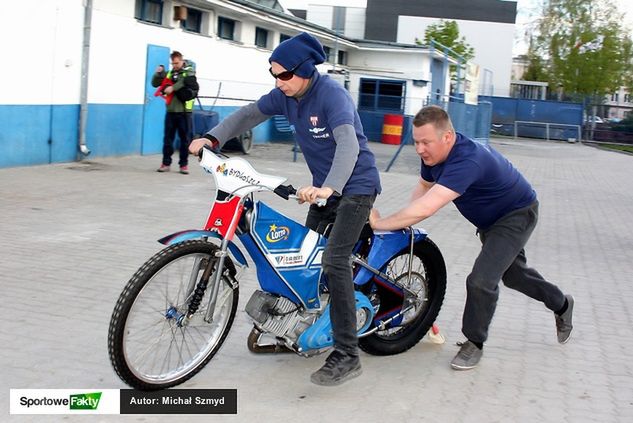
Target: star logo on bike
277 233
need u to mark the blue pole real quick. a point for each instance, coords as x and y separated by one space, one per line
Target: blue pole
405 139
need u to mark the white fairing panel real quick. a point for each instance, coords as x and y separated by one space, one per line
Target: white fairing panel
236 176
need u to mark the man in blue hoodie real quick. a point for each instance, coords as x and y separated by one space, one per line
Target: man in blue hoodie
330 134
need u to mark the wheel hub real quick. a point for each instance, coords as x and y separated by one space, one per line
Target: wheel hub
173 313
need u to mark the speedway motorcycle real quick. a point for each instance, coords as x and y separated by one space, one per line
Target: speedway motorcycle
178 308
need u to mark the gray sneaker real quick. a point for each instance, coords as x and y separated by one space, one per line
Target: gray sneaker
468 356
338 368
563 322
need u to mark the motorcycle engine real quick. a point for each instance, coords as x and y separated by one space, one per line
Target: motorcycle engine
278 315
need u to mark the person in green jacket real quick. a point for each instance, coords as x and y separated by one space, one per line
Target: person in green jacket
178 116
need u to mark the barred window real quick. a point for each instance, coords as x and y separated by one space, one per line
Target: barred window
149 11
382 95
226 28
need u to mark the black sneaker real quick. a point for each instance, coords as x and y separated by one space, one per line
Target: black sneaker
338 368
468 356
563 322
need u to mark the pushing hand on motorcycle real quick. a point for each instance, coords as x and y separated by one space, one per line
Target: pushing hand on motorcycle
374 215
312 194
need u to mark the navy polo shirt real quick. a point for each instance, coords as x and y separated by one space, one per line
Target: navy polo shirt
489 186
325 106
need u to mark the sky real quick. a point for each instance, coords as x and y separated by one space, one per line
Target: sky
527 11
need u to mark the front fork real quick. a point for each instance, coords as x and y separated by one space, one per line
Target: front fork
215 288
196 288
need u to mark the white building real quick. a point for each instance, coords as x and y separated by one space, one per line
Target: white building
85 67
619 105
487 25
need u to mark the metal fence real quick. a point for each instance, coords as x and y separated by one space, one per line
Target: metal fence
472 120
506 111
556 131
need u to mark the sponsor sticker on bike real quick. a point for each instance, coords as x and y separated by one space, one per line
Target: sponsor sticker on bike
289 259
277 233
236 173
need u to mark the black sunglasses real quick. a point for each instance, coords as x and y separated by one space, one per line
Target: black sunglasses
286 75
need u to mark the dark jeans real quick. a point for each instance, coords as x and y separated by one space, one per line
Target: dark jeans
348 215
181 123
502 257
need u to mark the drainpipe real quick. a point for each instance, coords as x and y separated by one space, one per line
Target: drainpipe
85 59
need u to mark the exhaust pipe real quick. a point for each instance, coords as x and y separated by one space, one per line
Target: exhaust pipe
255 347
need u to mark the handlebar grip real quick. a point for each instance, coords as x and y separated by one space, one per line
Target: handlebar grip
202 149
288 191
215 148
285 191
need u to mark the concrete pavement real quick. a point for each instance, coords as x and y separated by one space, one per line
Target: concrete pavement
74 233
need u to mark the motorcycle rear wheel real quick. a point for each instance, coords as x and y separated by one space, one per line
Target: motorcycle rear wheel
428 281
148 347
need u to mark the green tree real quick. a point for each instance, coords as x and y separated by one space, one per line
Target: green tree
537 69
447 34
628 73
587 50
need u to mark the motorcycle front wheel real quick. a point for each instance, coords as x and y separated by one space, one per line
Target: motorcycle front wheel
151 344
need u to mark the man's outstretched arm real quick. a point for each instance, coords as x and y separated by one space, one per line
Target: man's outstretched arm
419 209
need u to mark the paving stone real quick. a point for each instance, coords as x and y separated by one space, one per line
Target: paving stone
72 239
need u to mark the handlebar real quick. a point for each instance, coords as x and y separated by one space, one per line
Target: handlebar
320 202
288 192
284 191
214 150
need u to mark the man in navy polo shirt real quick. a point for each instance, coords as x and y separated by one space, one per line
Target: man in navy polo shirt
499 201
329 132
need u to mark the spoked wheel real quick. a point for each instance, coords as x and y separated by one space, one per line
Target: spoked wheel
424 297
151 343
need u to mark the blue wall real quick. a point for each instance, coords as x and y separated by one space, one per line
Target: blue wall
114 129
31 135
42 134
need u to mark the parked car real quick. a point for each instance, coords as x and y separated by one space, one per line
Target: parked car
590 119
